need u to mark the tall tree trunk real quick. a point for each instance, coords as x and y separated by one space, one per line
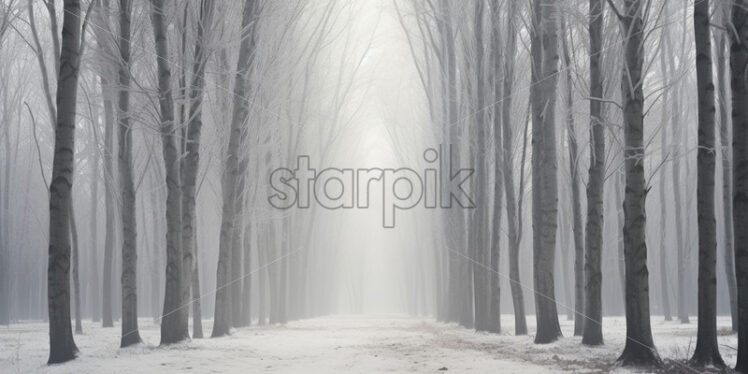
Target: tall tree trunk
738 64
544 50
240 112
247 276
171 332
576 206
130 334
61 344
664 244
190 163
197 313
724 133
593 277
513 222
639 349
707 351
495 72
76 270
479 253
95 286
676 147
109 204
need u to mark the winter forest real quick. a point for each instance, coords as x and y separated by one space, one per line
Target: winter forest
524 186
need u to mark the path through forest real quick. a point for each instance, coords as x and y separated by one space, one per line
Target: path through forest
344 344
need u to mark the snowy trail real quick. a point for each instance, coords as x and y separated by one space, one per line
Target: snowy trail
357 344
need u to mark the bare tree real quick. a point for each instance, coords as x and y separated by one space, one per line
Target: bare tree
190 162
170 323
593 328
240 114
544 50
738 63
130 334
61 344
639 349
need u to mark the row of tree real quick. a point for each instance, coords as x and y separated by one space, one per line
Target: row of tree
468 70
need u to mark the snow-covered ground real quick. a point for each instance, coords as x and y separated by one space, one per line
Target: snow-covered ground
359 344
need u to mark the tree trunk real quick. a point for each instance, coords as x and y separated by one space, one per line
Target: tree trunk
171 332
664 244
240 113
576 206
190 162
639 349
593 327
109 205
738 63
95 286
197 313
544 50
707 351
61 344
676 147
477 246
494 320
724 133
130 334
76 270
518 299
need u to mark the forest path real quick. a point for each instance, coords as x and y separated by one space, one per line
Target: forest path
358 344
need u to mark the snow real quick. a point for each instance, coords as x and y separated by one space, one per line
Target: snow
362 344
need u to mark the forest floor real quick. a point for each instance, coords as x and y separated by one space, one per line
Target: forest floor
360 344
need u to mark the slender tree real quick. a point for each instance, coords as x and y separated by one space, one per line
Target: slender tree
639 348
513 209
544 50
707 350
593 328
738 64
61 344
190 162
170 324
130 334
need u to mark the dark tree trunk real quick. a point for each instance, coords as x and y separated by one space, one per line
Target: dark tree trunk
130 334
707 350
639 349
544 50
170 328
738 65
723 86
61 344
240 112
593 327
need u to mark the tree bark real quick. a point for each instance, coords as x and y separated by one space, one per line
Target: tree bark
171 332
544 50
240 113
723 86
639 349
61 343
76 270
191 161
707 350
576 206
130 334
738 64
512 214
593 327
